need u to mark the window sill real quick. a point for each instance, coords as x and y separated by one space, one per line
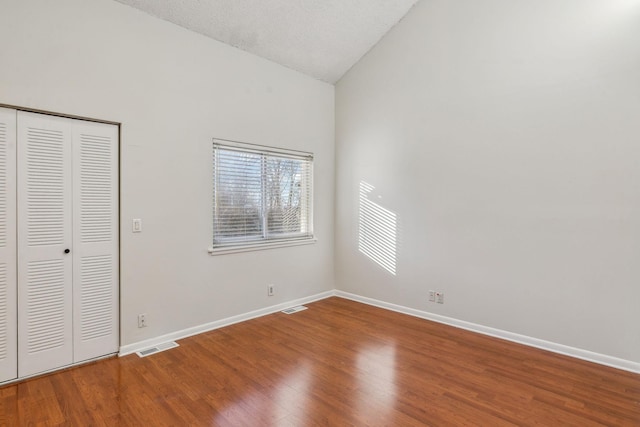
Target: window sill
259 246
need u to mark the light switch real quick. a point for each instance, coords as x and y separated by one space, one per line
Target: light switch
137 225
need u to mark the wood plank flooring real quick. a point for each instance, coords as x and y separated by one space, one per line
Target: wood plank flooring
339 363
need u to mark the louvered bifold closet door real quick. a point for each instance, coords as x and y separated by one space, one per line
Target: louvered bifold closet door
8 284
44 236
95 240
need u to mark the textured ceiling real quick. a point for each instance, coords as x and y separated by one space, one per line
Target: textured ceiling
321 38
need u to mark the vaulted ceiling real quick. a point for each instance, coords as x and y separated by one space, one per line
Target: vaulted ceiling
320 38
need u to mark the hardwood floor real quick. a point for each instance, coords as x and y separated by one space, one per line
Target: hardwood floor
339 363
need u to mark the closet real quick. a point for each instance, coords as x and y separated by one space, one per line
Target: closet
59 264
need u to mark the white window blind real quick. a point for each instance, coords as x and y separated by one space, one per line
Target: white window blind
260 195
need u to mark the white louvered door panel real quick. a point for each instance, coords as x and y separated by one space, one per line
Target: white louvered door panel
44 233
95 239
8 279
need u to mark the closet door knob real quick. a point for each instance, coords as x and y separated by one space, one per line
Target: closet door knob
66 251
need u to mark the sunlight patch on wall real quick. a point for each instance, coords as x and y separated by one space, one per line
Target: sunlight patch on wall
376 230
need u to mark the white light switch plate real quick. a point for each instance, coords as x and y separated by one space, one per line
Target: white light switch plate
137 225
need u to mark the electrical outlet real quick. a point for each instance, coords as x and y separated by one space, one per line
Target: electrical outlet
142 320
432 296
440 297
270 290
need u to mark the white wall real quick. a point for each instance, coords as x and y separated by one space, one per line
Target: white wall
505 138
174 90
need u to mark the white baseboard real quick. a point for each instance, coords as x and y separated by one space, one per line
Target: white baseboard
177 335
578 353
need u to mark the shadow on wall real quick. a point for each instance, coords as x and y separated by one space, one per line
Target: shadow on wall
376 230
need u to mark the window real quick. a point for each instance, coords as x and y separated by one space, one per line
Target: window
261 197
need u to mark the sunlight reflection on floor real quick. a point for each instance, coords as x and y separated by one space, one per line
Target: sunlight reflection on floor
377 388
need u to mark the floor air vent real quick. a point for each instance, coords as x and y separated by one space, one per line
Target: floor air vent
157 349
294 309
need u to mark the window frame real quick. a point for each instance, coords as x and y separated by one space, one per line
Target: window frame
266 241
